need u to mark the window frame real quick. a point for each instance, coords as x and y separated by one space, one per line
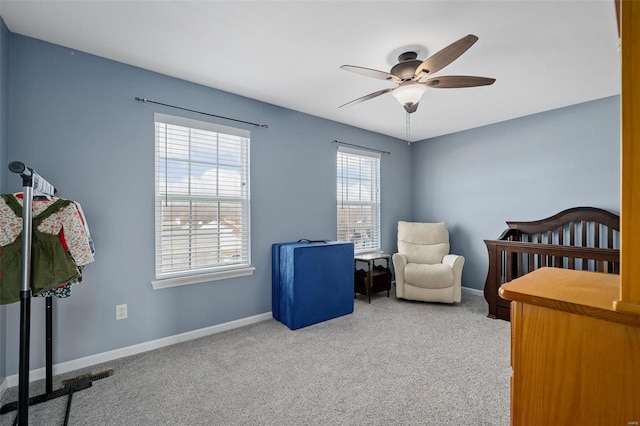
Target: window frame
375 188
193 274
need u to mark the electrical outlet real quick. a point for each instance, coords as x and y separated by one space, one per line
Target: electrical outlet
121 312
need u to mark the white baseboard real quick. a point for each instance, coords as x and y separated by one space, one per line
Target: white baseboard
473 290
88 361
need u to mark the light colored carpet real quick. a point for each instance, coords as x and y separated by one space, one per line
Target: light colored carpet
392 362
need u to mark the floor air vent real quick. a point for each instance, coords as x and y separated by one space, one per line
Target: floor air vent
87 378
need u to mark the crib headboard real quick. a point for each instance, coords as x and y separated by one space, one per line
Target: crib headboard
585 238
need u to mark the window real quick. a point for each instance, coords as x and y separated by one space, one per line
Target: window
202 201
359 198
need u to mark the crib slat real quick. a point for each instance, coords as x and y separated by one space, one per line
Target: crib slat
531 259
559 260
609 238
572 242
596 235
520 264
561 235
572 234
584 243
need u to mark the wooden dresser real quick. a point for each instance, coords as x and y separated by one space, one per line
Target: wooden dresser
575 360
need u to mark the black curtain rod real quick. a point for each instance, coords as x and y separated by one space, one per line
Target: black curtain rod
144 101
362 147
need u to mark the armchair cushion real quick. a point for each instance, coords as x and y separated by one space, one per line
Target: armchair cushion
423 242
429 276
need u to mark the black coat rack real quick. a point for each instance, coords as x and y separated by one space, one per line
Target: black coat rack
30 181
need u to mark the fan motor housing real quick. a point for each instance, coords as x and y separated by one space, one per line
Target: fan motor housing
406 67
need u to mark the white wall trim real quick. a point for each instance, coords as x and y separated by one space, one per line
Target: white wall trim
88 361
473 290
202 278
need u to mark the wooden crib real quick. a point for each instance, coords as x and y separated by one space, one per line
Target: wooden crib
584 238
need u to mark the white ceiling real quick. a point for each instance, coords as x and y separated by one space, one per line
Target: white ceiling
543 54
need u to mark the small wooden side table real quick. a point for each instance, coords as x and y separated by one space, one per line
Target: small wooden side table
375 278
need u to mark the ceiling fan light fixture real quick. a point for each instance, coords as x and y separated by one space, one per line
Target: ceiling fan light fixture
409 70
409 93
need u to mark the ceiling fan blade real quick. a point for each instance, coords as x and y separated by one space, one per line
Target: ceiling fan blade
371 73
453 81
367 97
444 57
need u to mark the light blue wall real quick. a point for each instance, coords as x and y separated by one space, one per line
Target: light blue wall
524 169
74 120
4 87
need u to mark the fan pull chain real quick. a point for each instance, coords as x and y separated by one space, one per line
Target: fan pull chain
408 129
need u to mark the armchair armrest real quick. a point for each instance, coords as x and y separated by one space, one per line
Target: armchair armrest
399 262
456 262
453 260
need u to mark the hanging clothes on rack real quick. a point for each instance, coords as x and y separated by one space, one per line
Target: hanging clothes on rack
64 290
60 245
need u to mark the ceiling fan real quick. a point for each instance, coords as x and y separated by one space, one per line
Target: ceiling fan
409 70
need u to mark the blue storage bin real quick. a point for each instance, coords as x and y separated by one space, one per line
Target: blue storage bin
311 282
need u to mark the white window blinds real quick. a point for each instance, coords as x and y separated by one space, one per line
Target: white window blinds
202 197
358 180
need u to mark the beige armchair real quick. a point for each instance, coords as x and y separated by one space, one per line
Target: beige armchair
423 266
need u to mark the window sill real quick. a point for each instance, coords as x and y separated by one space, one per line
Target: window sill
368 251
202 278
